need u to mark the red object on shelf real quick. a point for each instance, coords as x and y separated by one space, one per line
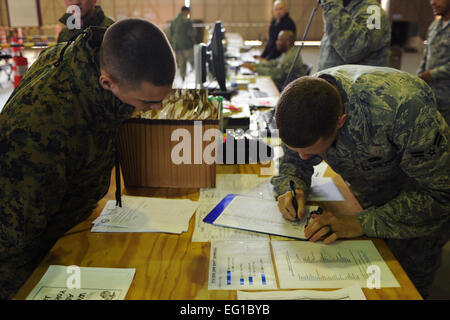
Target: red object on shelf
20 68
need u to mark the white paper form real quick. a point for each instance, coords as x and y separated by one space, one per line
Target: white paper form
338 265
241 265
143 214
95 284
324 189
319 170
254 214
210 197
230 183
205 232
353 292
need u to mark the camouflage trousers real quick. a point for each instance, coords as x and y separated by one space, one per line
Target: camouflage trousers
420 258
183 58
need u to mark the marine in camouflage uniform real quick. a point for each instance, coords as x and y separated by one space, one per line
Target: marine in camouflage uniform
436 59
347 38
393 150
98 19
56 153
182 37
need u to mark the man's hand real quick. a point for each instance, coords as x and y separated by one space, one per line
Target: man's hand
426 76
287 208
332 227
249 66
259 58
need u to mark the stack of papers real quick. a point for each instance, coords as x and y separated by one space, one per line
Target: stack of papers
142 214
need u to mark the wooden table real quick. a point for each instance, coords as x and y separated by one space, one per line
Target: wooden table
171 266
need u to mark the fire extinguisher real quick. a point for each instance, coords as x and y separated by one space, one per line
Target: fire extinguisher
20 68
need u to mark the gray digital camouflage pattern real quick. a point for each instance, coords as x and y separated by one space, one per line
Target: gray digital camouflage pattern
436 58
394 152
98 19
56 153
348 40
278 69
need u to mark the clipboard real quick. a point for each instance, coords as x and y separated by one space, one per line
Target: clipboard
229 213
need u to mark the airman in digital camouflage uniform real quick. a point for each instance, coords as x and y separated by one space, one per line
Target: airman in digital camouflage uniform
278 69
378 128
91 16
348 39
435 65
57 131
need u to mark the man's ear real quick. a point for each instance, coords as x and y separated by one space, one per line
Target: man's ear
105 81
341 121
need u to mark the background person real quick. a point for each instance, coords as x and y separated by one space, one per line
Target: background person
435 66
278 69
281 21
182 37
347 38
91 15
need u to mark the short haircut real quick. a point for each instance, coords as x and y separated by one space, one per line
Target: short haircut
308 109
184 8
289 35
135 50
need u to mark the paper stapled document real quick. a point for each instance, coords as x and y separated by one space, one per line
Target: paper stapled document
143 214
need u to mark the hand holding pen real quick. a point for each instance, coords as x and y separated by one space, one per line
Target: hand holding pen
290 209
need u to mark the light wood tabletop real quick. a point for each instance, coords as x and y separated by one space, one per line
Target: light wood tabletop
171 267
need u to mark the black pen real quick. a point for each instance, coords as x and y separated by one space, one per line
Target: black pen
294 200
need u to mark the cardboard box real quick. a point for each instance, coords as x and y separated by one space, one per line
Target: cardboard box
146 153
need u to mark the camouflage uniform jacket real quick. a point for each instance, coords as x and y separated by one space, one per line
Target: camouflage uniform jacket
98 19
56 152
437 59
393 150
182 33
278 69
348 40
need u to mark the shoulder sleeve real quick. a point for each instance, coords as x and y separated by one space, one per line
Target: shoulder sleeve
423 206
350 35
292 167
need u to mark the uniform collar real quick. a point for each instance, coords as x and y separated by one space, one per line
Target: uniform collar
84 55
95 20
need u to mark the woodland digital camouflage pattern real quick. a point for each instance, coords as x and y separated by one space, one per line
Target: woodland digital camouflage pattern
278 69
394 152
56 153
348 40
437 59
97 20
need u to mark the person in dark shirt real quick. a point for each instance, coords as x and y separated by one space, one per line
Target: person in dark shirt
281 21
